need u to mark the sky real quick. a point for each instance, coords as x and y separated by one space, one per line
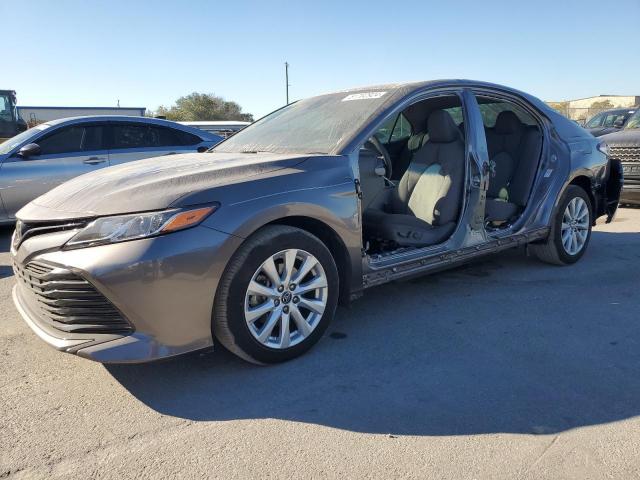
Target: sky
149 53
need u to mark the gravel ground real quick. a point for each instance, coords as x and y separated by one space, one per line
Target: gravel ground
506 368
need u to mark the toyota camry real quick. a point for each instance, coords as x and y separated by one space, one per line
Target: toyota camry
252 245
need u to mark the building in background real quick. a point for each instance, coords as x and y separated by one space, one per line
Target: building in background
36 115
582 109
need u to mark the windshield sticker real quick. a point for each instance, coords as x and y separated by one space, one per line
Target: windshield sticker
363 96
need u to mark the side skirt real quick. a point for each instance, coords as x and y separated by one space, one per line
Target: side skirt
450 259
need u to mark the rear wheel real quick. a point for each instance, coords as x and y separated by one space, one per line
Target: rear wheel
570 230
277 295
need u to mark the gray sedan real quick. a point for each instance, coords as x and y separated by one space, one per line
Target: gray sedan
253 245
51 153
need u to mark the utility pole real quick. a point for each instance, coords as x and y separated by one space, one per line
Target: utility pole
286 79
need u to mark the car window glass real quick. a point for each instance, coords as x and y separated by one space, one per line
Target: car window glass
127 135
634 121
395 128
384 132
401 130
320 124
456 114
92 138
596 121
612 118
22 138
73 139
185 138
65 140
165 136
148 136
491 108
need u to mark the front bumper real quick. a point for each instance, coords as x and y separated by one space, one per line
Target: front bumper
630 195
164 288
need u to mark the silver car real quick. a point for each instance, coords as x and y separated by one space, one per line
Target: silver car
253 245
51 153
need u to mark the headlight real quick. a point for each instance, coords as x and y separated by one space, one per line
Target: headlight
604 148
138 225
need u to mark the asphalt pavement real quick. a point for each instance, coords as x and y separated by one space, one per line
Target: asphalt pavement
505 368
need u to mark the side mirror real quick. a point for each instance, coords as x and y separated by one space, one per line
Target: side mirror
29 150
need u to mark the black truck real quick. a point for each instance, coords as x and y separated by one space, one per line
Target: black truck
10 123
609 121
625 146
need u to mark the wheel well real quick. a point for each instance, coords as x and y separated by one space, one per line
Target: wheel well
333 242
585 183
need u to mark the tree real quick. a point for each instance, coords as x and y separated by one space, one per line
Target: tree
601 105
560 107
203 106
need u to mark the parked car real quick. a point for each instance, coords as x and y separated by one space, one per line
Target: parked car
51 153
254 243
625 146
223 128
609 121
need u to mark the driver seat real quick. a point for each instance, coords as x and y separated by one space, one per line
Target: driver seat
423 209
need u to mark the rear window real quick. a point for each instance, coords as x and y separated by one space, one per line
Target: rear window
150 136
186 138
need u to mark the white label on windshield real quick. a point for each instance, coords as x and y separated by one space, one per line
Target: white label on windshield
363 96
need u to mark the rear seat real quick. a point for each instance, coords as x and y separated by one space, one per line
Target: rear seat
514 152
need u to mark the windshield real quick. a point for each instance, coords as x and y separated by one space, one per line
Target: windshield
634 121
13 142
314 125
6 108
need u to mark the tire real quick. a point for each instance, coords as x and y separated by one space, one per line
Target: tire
236 305
553 250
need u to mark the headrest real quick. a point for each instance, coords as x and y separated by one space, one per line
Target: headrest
508 123
442 128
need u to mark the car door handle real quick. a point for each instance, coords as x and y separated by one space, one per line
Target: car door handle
94 160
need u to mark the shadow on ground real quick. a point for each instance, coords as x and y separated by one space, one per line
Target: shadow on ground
505 345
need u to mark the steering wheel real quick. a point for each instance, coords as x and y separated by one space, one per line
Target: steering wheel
385 154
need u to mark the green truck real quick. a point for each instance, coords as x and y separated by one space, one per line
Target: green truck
10 123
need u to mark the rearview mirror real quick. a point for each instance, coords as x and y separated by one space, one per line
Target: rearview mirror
29 150
619 123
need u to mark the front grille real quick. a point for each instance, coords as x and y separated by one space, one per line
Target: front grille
26 230
67 302
625 154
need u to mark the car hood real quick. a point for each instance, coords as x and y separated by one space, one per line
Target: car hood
623 138
150 184
599 131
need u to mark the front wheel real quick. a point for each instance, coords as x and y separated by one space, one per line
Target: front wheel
277 295
570 229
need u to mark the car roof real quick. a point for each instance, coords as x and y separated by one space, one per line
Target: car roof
618 110
402 89
216 123
124 118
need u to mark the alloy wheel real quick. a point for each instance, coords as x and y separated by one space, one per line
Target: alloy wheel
286 298
575 226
